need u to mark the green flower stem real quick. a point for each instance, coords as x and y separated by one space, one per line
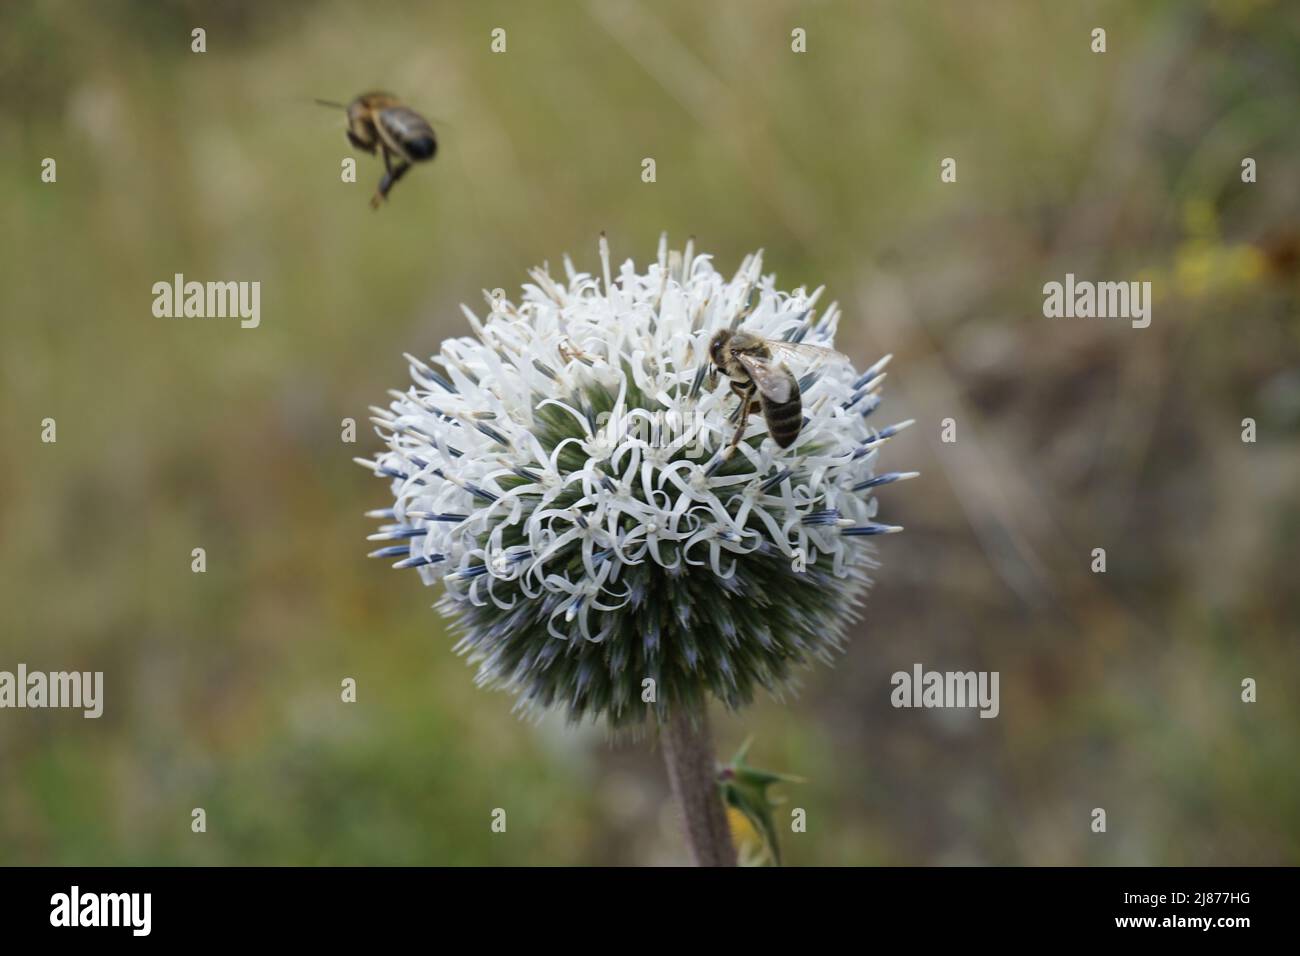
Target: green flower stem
693 775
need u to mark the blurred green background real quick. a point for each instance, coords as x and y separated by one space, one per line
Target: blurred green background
1118 691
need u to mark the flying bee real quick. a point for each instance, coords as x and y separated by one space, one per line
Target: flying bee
379 121
762 381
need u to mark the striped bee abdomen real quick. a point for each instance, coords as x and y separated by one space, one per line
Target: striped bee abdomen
784 419
407 133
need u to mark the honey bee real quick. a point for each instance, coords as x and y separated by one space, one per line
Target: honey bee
379 121
762 381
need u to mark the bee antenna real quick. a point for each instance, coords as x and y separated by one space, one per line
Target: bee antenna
332 105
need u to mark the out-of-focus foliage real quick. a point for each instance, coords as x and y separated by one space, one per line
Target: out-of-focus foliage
1118 691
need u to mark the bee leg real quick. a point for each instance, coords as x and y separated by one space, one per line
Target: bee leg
360 143
745 393
389 181
386 183
746 403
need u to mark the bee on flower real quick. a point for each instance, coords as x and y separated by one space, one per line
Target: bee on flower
615 571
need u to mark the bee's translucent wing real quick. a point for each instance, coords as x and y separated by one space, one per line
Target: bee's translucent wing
774 384
809 353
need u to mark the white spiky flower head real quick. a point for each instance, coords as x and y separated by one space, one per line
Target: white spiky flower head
566 473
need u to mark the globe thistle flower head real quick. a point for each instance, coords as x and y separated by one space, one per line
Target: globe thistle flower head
568 474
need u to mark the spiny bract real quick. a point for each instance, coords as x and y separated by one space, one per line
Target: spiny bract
565 473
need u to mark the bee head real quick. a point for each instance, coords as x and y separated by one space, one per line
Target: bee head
361 128
717 345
